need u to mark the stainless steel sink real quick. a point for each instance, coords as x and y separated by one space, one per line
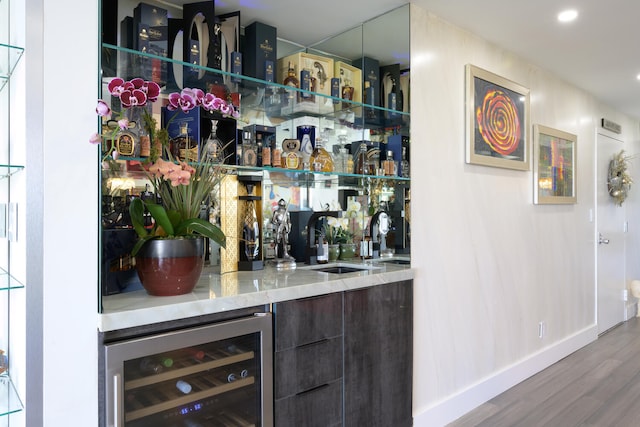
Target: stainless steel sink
340 269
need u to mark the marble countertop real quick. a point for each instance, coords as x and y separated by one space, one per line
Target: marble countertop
217 292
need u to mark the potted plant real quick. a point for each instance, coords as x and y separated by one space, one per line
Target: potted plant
170 253
347 246
331 234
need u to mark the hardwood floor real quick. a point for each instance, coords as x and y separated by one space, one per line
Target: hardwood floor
598 385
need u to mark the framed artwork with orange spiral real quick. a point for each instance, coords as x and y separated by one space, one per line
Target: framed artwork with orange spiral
497 111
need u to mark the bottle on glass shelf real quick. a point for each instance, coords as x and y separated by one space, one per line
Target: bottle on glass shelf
320 159
183 147
213 150
276 153
144 141
389 166
292 81
404 164
266 151
363 165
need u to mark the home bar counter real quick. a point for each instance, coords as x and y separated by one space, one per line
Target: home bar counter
217 293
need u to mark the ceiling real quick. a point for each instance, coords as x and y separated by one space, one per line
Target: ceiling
597 52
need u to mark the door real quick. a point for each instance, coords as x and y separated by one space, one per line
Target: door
610 241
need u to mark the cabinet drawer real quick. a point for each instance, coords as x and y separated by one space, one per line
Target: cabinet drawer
307 320
304 368
320 407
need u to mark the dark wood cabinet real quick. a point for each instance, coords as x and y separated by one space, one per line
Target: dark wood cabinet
308 361
345 359
378 355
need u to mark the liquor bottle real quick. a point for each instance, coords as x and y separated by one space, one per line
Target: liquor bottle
322 254
213 150
320 159
291 80
144 141
308 85
389 165
251 229
291 157
183 147
363 166
347 93
276 153
266 151
306 136
350 165
404 164
127 143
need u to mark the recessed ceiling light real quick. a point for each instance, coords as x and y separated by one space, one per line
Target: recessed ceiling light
567 15
638 77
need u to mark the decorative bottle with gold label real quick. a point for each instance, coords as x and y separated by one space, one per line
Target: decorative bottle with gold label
320 159
183 147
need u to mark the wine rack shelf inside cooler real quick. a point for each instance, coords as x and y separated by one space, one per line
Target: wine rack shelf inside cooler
156 393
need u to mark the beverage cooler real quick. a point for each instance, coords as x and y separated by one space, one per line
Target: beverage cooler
214 375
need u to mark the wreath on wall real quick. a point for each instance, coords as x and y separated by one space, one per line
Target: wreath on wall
619 181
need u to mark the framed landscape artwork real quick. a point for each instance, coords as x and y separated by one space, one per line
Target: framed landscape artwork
554 169
497 114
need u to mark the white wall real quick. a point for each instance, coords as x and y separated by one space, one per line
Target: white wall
493 264
61 62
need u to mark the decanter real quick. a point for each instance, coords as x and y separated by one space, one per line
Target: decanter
213 147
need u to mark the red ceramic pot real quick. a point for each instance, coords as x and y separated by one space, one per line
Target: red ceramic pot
169 267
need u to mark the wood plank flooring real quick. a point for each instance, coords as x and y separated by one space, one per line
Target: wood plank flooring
597 386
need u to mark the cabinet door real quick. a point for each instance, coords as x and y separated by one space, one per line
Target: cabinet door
318 407
378 355
307 320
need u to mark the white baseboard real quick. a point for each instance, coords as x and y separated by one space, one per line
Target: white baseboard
447 410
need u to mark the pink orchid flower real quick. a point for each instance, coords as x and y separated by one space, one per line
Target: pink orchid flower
116 86
152 89
123 123
103 109
133 98
115 154
95 138
184 100
180 177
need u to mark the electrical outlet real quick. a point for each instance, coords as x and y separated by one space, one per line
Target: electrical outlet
541 328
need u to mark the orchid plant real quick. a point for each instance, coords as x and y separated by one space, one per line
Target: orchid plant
182 187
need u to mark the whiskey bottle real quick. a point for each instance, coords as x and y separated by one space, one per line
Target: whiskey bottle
389 166
308 86
276 153
266 150
320 159
183 147
404 164
291 80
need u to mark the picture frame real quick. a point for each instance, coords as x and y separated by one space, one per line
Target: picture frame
554 176
497 115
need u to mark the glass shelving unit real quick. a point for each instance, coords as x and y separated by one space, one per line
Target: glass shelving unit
9 57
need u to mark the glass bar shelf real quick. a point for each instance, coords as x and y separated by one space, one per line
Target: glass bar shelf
8 282
9 57
9 401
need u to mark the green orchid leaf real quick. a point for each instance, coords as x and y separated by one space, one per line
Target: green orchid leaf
174 217
204 228
136 211
160 215
140 243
